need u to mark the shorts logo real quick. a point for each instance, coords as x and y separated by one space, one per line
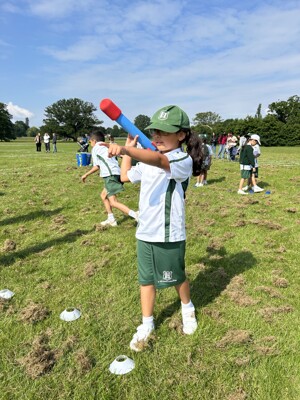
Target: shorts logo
163 115
167 275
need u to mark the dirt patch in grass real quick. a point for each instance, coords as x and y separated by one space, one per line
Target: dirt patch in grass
214 314
83 361
9 245
87 242
291 210
239 394
100 228
235 336
22 230
266 224
175 323
34 313
41 358
236 292
241 361
91 268
280 282
45 285
269 290
59 220
268 313
239 223
266 346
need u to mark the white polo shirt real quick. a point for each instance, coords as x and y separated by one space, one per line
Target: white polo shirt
161 204
256 152
108 166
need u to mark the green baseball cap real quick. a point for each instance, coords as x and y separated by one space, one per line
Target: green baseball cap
169 119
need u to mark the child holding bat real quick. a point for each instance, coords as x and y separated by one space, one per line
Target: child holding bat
164 176
110 172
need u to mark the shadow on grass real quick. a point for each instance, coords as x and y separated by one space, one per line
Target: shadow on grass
263 184
219 269
10 258
30 216
2 193
218 180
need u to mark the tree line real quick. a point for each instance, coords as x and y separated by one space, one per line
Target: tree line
74 117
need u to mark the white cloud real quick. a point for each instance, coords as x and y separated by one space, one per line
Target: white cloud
58 8
18 112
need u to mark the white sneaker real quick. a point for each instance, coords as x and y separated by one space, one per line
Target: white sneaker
196 184
140 337
109 222
245 188
241 192
257 189
200 184
189 322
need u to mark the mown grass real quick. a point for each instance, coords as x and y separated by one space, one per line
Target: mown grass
242 261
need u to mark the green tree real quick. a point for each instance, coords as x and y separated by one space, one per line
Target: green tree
20 128
6 126
141 122
258 112
207 118
286 110
70 118
32 132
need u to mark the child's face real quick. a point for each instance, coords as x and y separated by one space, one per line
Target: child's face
166 141
93 142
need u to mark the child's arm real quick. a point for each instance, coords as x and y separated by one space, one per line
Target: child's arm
146 156
91 171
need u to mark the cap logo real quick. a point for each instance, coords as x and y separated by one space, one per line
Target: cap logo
163 115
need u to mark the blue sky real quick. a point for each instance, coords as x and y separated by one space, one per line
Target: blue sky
211 55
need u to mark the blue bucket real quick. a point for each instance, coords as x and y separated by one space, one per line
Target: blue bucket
83 159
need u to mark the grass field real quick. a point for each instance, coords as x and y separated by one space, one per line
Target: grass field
242 260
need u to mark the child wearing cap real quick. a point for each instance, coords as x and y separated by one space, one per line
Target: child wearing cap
254 175
247 164
110 172
164 176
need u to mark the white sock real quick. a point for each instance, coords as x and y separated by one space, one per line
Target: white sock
132 214
110 217
149 321
187 307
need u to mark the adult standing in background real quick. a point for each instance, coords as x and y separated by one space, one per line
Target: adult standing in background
47 142
231 146
222 144
213 144
54 139
38 142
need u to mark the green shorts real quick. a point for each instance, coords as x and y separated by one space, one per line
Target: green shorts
113 185
245 173
161 264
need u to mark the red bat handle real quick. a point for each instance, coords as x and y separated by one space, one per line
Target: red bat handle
110 109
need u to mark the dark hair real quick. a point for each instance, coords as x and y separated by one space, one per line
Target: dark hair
194 148
97 135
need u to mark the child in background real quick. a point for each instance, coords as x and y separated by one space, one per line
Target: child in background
254 175
202 178
110 172
164 176
247 163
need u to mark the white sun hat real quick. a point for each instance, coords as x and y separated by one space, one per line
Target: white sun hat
70 314
6 294
256 137
121 365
